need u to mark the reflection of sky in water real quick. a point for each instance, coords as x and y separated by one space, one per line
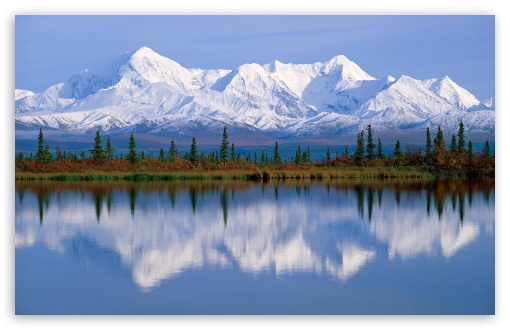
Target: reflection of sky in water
334 230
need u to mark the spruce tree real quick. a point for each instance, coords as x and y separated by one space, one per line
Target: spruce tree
439 150
224 147
397 151
193 153
470 153
232 153
328 155
298 159
39 156
161 157
486 154
47 154
277 158
109 150
98 153
172 153
132 156
359 155
380 153
439 143
461 141
428 146
370 144
453 145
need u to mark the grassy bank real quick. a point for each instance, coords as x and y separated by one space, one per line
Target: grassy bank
262 174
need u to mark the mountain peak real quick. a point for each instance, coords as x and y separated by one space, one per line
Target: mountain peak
147 92
145 66
453 93
144 52
350 71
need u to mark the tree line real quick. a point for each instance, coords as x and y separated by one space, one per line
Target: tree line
457 158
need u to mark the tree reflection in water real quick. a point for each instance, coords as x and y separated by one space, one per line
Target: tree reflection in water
302 226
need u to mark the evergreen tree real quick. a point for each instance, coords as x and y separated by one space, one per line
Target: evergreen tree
109 150
161 157
193 153
132 156
462 142
439 143
83 156
299 159
142 156
304 157
380 153
345 154
277 158
370 144
233 153
397 151
262 158
20 157
470 153
248 159
224 147
172 153
486 154
255 159
359 155
428 146
47 154
328 155
41 155
453 145
98 153
439 154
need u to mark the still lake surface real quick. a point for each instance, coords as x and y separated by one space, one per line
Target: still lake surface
384 247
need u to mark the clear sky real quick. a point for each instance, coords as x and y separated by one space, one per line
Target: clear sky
49 49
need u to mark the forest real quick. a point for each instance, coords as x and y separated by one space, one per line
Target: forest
435 159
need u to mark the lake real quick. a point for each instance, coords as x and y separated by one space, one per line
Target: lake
291 247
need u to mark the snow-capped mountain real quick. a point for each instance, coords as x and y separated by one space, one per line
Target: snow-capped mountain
145 92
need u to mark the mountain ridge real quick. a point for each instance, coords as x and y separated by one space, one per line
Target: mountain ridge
142 91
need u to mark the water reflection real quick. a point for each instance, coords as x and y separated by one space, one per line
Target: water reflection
159 230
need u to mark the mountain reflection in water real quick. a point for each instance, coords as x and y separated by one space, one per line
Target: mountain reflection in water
332 229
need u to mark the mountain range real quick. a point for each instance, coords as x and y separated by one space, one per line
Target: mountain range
143 92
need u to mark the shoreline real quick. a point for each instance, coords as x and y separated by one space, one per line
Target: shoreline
263 174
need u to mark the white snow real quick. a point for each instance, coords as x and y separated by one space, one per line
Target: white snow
22 93
145 88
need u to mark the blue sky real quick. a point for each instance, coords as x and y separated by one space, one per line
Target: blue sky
49 49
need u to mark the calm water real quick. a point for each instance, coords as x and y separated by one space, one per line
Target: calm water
249 248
